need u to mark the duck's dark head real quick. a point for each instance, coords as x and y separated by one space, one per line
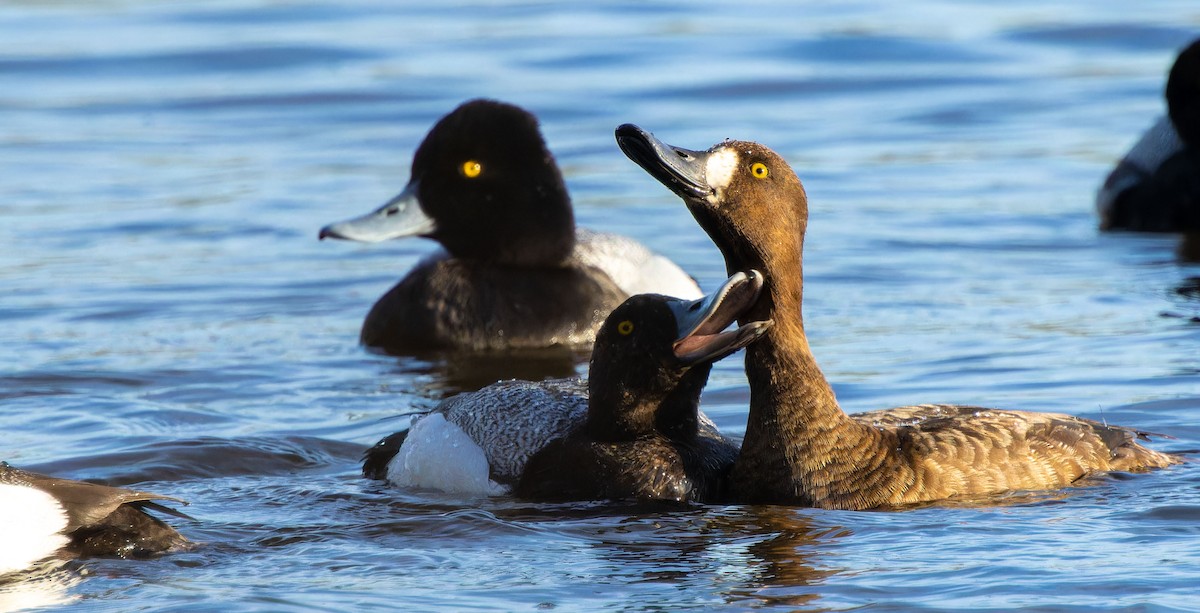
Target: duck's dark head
650 343
744 195
1183 95
485 186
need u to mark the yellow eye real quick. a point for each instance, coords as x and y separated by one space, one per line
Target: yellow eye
471 169
759 170
625 328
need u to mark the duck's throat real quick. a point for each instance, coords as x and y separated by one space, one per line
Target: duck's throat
786 383
795 421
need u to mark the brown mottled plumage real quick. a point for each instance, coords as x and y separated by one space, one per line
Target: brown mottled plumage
800 447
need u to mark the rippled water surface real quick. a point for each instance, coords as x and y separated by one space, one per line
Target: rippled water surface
170 320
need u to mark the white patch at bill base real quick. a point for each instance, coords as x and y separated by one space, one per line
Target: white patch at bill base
718 171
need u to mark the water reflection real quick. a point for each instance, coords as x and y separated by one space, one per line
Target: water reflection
1189 247
446 373
765 554
1186 295
44 586
783 563
207 457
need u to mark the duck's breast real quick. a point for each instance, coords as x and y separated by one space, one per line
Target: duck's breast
451 303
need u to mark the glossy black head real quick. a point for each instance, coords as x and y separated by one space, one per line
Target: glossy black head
744 195
1183 95
485 186
648 345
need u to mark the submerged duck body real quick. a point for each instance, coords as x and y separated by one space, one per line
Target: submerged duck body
512 273
43 517
1156 186
800 447
633 430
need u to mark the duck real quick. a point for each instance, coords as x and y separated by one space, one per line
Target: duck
633 429
1156 186
641 438
512 272
800 447
43 517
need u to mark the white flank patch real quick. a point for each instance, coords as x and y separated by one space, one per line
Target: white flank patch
31 523
718 171
439 455
661 276
633 266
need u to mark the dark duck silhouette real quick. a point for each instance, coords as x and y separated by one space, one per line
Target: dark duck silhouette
513 273
642 437
1156 186
800 447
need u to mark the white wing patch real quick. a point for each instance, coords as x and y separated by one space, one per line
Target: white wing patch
31 525
439 455
633 266
477 443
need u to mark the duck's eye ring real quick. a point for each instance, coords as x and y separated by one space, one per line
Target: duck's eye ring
759 170
625 328
471 169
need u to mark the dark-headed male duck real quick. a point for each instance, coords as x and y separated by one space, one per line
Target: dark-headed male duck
800 447
45 517
513 273
1156 186
633 430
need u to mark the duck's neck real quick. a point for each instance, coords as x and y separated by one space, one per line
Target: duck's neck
618 413
678 416
544 238
795 424
624 412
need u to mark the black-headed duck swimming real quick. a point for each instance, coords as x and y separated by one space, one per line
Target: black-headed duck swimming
513 272
800 447
642 436
1156 186
43 517
633 430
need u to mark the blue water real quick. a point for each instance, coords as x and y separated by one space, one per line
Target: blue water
170 320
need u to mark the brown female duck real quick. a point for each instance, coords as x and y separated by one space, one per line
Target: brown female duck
800 447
